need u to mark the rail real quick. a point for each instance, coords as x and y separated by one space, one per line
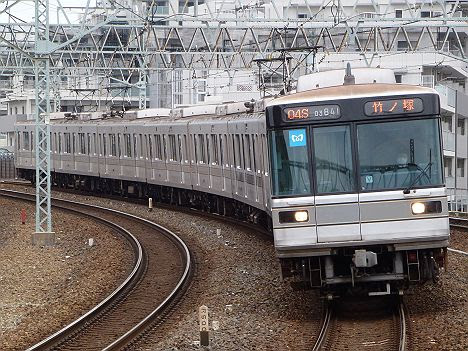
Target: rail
127 287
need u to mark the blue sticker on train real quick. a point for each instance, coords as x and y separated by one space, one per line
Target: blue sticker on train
297 137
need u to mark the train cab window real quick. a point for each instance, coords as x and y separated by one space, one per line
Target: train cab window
290 162
333 160
395 155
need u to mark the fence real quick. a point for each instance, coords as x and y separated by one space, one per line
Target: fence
458 200
7 166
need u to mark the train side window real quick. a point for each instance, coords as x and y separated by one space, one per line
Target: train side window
135 150
119 145
164 148
172 148
67 138
185 149
150 146
208 150
214 147
254 152
89 143
142 149
60 142
195 148
221 150
82 143
157 145
26 140
74 148
113 145
202 149
128 145
248 163
18 140
95 143
234 149
180 156
104 143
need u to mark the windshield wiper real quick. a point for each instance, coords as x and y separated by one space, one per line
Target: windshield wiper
423 172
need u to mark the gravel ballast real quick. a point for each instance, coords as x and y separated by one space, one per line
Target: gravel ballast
238 279
44 289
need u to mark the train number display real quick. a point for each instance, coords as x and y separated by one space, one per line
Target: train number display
312 113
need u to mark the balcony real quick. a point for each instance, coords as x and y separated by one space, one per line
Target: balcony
448 140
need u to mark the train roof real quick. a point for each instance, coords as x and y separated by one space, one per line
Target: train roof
351 92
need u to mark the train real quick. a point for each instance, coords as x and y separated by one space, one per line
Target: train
346 172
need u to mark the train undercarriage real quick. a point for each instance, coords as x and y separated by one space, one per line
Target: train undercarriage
374 270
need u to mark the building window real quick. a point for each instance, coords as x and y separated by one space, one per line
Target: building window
402 45
447 123
461 126
448 166
302 15
425 14
399 13
398 78
460 167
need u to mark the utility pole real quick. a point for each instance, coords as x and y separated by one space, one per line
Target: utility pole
43 235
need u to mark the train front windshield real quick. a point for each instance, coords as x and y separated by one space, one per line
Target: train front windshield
390 156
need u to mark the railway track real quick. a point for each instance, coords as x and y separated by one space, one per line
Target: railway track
459 223
379 324
161 274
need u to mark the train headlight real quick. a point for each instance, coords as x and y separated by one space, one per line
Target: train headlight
418 208
301 216
293 216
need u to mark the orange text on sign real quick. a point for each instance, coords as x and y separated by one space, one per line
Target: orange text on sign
300 113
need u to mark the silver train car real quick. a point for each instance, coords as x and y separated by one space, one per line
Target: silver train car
349 178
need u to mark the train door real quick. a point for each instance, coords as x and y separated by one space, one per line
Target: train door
265 171
186 156
336 200
127 153
81 152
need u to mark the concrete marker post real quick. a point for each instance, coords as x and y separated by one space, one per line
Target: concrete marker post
150 204
204 326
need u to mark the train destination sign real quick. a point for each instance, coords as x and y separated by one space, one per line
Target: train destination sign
393 107
295 114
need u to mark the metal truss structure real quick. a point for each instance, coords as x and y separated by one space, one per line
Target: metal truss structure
119 46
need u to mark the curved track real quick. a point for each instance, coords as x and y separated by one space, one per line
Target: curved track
162 272
379 324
